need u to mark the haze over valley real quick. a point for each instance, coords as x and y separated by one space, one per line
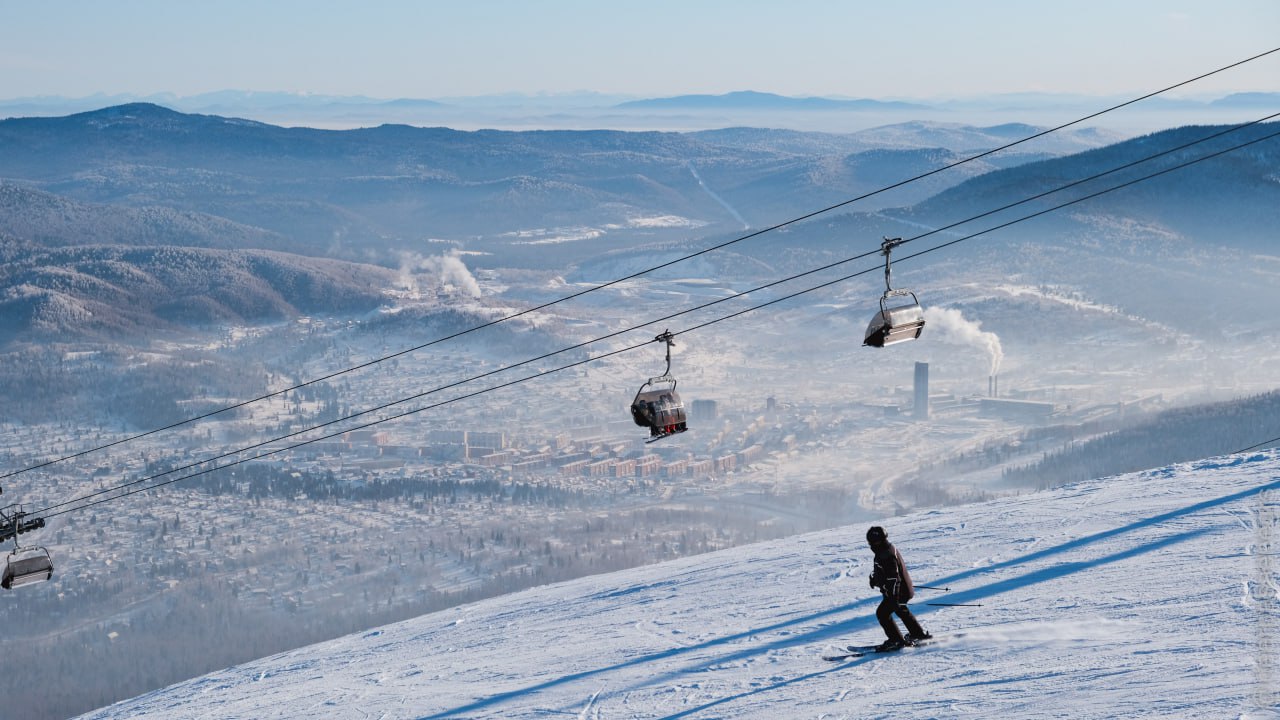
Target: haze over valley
158 265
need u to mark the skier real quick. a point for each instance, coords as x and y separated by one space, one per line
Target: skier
891 577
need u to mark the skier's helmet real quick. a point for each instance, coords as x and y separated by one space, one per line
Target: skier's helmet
876 534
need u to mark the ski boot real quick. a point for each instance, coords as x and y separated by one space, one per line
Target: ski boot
890 645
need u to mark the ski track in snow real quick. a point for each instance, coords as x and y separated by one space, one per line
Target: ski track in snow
1114 598
714 196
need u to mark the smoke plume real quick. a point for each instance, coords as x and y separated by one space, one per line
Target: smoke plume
448 270
953 327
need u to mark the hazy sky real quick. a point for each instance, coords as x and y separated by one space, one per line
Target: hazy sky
398 48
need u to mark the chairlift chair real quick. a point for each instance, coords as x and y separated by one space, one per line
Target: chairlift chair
26 566
659 407
898 322
23 566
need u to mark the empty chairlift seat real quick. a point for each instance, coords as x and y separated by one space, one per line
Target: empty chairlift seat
26 566
899 322
895 324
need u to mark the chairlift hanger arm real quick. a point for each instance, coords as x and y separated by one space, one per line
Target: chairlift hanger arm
669 339
886 247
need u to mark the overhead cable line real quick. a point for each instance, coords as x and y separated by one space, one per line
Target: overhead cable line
632 276
126 492
674 315
1272 441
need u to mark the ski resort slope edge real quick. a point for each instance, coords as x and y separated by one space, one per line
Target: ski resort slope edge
1148 595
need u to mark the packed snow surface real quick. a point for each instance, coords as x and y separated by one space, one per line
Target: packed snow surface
1144 595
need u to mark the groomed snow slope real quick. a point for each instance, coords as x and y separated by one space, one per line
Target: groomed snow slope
1132 596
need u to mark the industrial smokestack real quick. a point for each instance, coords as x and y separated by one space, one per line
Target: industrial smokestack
922 391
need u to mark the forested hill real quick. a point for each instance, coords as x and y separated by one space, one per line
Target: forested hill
1232 200
111 292
45 218
1172 436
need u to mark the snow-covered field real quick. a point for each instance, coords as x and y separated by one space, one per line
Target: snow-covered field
1144 595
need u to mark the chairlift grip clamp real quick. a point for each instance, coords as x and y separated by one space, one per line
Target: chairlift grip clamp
886 247
669 339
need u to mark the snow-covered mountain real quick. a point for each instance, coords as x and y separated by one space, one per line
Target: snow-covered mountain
1144 595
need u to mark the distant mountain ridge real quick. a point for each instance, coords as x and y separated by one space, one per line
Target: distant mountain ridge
230 100
163 177
1260 100
752 100
589 110
370 185
369 193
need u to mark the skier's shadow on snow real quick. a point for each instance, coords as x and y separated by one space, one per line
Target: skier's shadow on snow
863 620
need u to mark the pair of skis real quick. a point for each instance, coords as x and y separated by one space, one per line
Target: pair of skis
857 651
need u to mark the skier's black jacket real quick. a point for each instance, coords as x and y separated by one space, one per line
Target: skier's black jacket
890 573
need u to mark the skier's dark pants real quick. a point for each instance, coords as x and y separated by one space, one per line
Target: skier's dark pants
884 613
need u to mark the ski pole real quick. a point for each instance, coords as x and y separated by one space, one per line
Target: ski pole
955 604
930 587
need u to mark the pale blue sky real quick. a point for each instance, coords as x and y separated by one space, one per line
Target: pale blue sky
389 49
